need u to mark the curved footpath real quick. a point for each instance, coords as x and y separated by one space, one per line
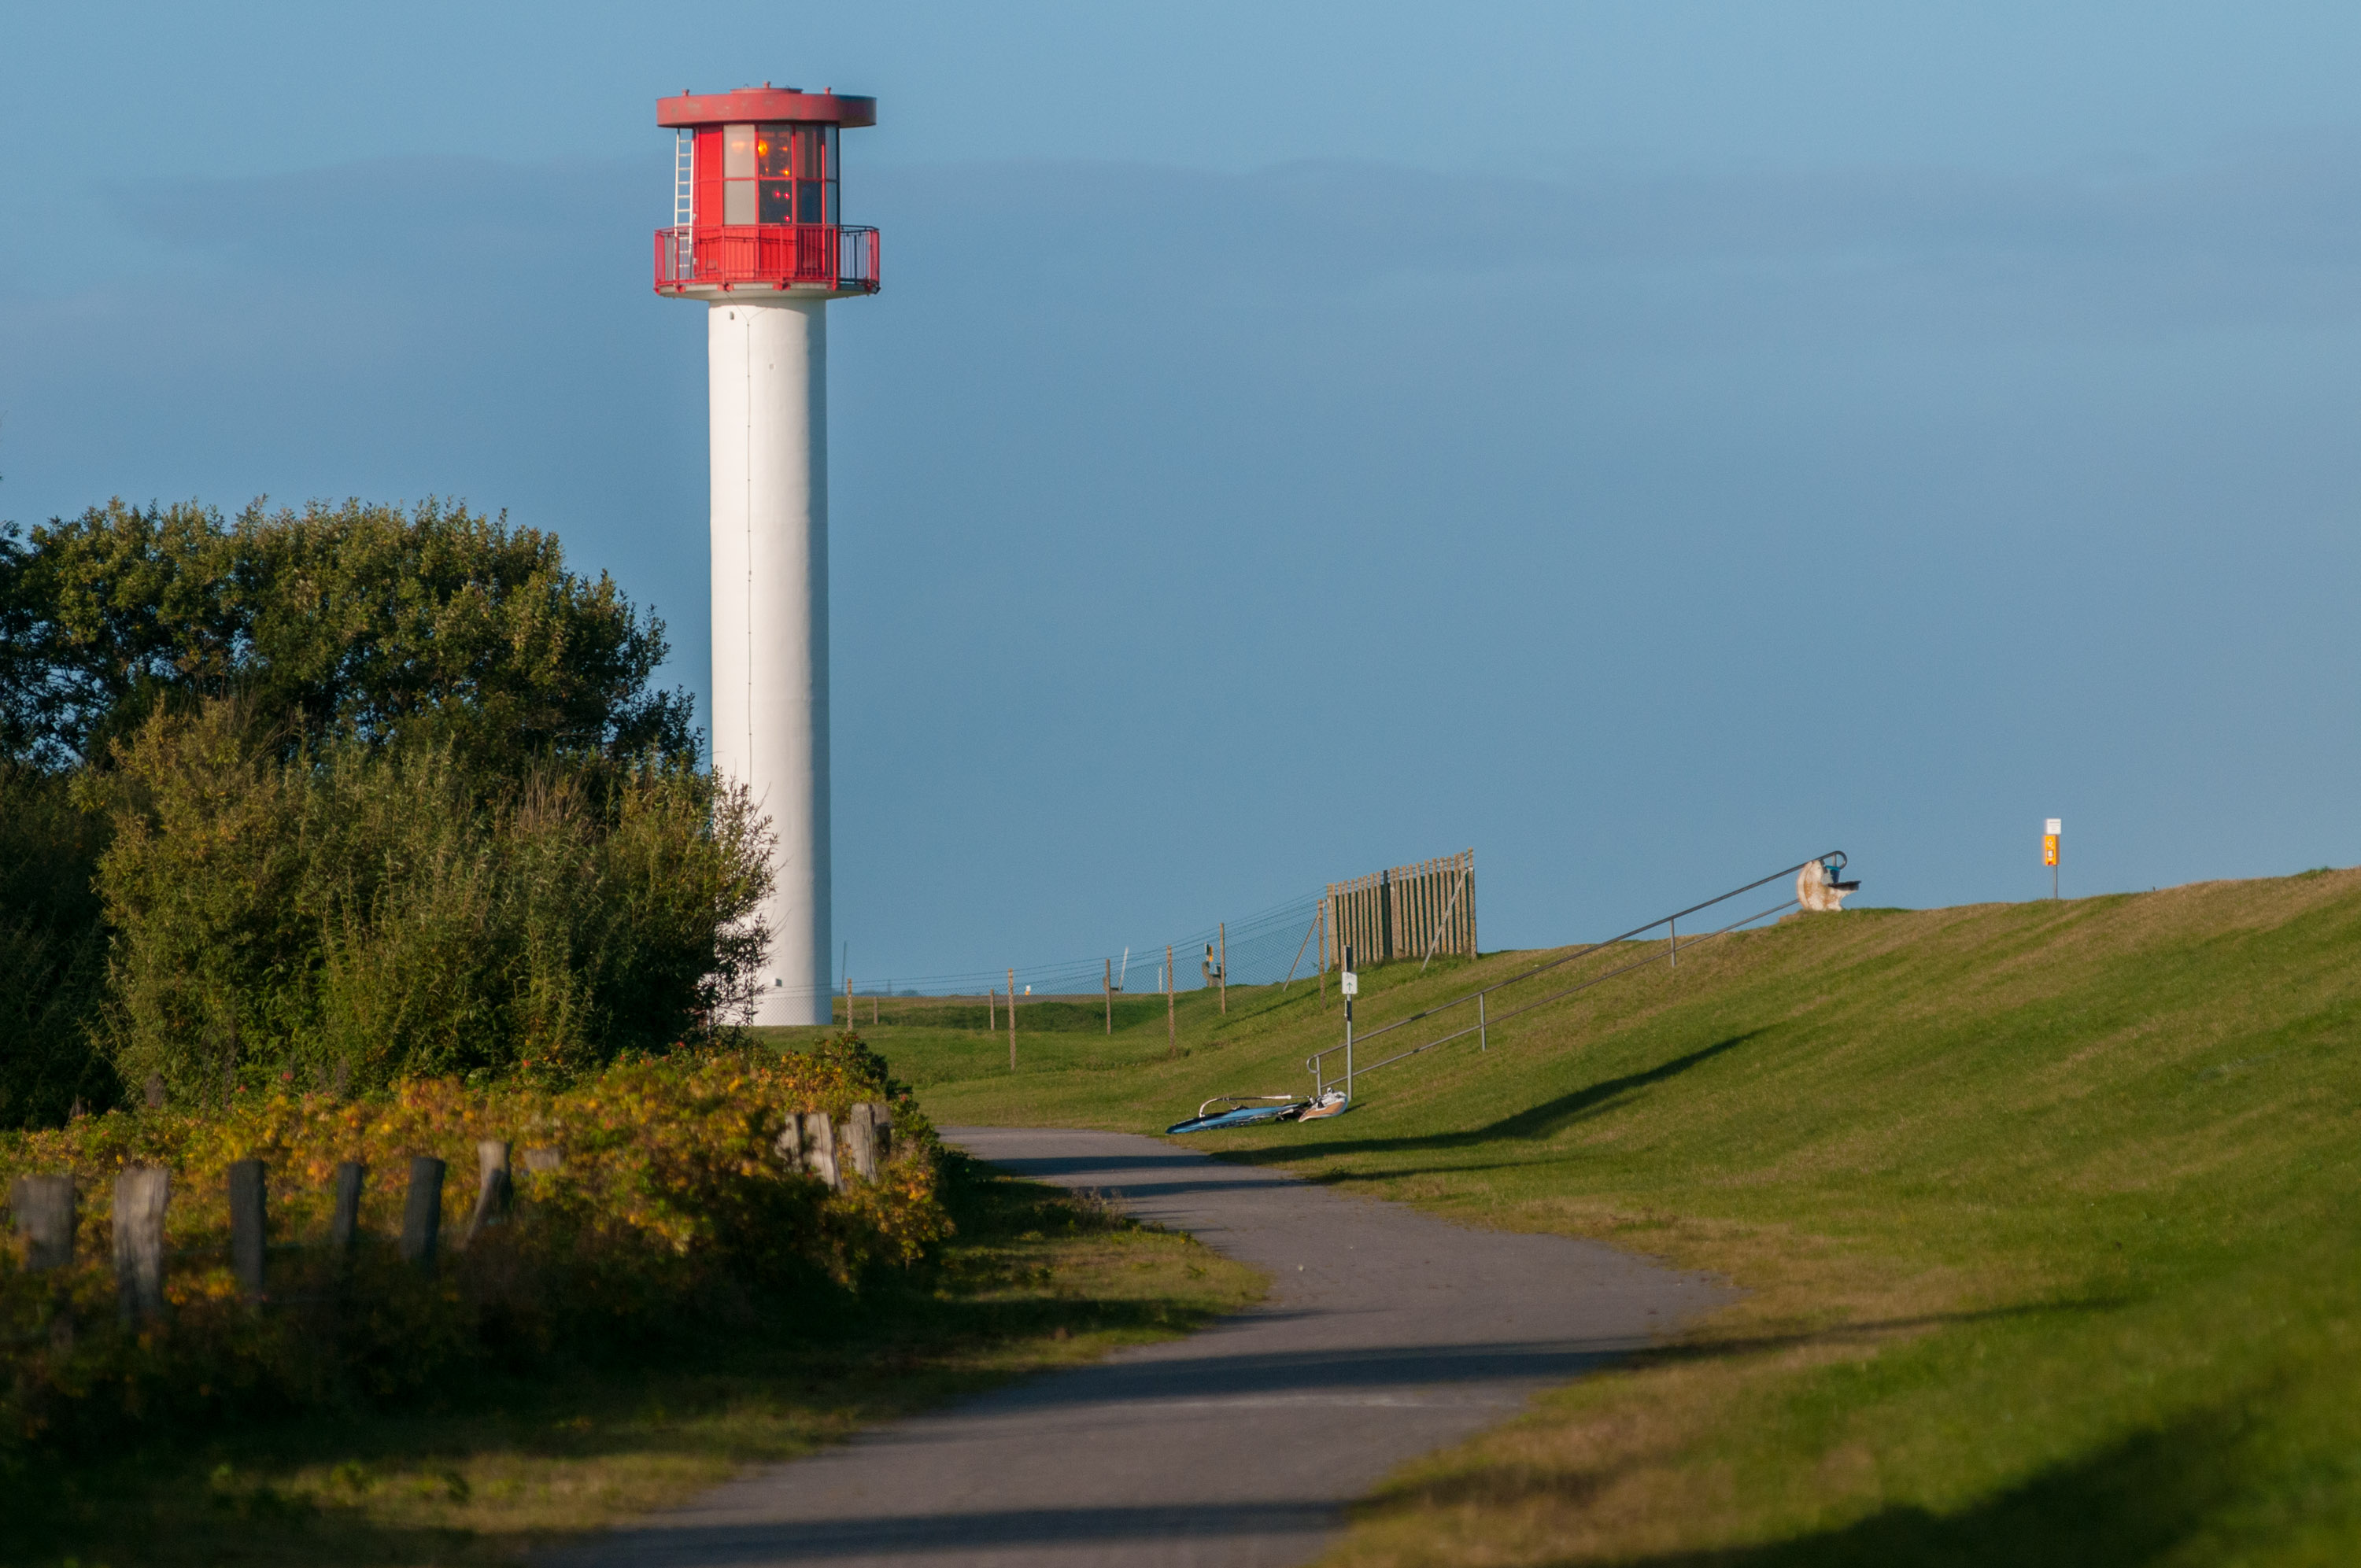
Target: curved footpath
1386 1333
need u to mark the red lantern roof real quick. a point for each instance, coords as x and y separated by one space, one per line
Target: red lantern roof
766 103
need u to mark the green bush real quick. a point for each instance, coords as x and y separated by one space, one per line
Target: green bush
360 916
52 950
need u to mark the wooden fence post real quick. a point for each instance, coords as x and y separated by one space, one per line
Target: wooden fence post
141 1193
1011 1020
820 1149
1467 884
248 1227
861 1140
44 1208
344 1223
494 1188
1172 1030
422 1213
789 1145
1225 930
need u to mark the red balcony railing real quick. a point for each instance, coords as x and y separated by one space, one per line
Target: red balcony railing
828 255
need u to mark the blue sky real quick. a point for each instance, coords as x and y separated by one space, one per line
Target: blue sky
1647 443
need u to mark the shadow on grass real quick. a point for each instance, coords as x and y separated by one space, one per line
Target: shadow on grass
2135 1501
1542 1121
1729 1347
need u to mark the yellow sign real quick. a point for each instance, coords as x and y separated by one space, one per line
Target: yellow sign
2050 849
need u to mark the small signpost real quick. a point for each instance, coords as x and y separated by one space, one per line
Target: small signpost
2049 834
1349 984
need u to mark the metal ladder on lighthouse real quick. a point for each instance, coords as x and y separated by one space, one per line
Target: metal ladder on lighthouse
684 203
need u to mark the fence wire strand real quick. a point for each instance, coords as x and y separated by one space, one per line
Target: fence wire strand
1262 949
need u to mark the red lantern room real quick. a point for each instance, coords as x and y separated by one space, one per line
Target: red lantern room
756 186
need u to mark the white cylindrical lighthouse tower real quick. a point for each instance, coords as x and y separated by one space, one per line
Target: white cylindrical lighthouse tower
756 236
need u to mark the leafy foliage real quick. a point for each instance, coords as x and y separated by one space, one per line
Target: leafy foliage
359 916
52 949
345 790
440 625
672 1205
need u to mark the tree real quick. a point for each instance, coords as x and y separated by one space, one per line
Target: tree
442 626
355 787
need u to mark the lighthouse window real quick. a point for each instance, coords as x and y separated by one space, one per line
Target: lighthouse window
775 161
739 158
778 174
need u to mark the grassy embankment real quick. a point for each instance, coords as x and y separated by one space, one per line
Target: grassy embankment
2048 1218
1034 1279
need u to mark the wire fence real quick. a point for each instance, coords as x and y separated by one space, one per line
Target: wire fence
1264 948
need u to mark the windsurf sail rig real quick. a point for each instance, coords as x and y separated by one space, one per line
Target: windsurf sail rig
1246 1110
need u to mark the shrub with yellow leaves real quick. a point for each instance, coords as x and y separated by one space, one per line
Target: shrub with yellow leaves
669 1202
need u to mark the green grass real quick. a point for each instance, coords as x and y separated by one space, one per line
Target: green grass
1035 1280
2048 1218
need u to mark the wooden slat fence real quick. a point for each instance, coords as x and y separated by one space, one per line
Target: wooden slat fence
1403 911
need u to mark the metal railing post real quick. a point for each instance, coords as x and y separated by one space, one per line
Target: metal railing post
1348 1029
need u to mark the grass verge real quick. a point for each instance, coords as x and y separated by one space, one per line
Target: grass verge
2044 1215
1034 1279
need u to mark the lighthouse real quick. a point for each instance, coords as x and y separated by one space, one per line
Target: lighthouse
757 239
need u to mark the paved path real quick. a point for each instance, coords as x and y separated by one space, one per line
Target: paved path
1387 1334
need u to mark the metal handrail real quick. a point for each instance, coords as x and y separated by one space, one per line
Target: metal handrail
1673 948
838 255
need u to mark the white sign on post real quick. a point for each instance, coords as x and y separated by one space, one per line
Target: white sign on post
1350 982
2052 828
